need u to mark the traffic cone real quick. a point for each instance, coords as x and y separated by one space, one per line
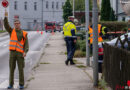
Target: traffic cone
52 33
37 30
41 32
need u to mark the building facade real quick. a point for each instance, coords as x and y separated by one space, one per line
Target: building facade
31 12
117 7
119 12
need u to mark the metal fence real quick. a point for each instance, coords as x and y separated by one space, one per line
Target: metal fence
116 66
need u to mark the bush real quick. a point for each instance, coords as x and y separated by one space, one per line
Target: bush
81 45
79 53
78 45
114 25
1 31
81 35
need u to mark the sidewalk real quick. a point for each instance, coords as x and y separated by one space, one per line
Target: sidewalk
53 74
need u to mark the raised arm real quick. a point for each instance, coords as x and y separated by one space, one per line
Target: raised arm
6 24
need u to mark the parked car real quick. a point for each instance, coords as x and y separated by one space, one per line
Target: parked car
50 26
59 26
80 28
111 42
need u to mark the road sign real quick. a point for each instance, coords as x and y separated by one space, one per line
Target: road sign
5 3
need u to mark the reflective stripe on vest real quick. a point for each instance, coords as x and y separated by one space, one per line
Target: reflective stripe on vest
103 32
15 44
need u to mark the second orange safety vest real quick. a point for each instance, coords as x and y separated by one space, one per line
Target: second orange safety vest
91 34
15 44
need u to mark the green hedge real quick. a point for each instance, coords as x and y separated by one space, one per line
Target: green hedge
81 34
115 26
81 45
1 31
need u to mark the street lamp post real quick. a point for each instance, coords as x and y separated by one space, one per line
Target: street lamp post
87 24
95 42
42 16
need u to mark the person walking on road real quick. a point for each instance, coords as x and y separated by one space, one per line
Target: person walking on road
69 30
18 47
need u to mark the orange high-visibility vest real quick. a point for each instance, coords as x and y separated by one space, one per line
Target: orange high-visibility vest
99 31
91 34
15 44
129 28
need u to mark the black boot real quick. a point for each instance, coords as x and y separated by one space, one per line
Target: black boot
71 62
66 62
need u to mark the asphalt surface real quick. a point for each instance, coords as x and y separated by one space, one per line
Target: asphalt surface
37 42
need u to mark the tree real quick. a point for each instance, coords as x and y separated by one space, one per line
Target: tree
105 10
80 5
112 15
67 10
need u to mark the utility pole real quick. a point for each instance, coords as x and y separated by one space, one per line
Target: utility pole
95 42
73 6
42 17
87 24
117 9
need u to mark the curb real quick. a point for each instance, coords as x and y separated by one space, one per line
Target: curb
3 34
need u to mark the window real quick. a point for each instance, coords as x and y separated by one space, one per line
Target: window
35 6
123 18
62 4
15 5
25 5
46 4
57 5
52 4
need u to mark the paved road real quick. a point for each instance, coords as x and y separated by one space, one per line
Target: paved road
36 43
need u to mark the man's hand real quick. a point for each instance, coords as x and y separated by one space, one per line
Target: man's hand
24 54
75 41
6 13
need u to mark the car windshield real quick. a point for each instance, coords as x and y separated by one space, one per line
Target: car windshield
122 37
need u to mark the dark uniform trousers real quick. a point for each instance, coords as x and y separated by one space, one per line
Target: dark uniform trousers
16 57
70 49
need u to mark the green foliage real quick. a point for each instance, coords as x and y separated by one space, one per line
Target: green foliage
81 34
79 53
67 10
1 31
102 84
81 44
105 10
80 48
115 26
90 5
80 66
112 15
80 5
